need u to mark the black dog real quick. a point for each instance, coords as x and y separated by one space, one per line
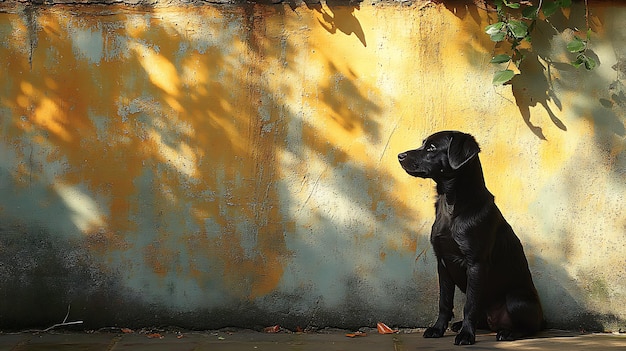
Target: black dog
476 248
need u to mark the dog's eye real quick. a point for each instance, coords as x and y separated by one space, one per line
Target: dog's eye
431 148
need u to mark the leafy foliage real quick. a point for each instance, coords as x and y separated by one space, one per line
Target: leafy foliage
516 21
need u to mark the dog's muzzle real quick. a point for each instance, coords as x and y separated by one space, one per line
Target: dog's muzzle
402 157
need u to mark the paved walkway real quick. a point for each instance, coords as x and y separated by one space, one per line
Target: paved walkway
327 341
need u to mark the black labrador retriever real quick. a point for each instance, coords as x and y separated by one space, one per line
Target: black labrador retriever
476 248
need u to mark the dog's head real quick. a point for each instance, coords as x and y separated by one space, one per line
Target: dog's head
441 154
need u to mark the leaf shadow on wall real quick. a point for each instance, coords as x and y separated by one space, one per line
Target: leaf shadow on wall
530 88
601 101
535 84
160 144
340 258
544 78
179 144
339 15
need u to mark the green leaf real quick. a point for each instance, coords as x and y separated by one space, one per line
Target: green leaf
576 45
498 36
585 60
502 58
498 4
530 13
501 77
494 28
512 5
590 63
566 3
519 29
495 31
579 62
550 8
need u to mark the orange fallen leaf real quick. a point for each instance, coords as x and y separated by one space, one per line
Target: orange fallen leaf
355 334
384 329
272 329
127 331
155 336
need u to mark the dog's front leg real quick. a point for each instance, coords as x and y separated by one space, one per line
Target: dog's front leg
446 303
476 273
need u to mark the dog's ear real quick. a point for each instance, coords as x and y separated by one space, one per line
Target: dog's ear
463 147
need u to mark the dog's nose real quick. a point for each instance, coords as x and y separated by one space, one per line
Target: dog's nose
401 156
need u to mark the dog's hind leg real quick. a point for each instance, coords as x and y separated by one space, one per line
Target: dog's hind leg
522 317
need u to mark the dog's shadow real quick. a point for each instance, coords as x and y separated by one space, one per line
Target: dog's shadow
563 300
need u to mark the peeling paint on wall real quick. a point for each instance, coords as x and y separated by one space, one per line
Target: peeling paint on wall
212 166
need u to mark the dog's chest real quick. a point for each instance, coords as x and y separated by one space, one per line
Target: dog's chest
443 218
442 237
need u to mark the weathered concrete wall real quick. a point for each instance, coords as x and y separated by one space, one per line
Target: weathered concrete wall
236 165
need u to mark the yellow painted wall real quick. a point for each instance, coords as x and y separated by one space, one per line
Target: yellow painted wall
236 165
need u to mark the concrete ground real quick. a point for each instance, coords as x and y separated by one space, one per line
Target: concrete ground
335 340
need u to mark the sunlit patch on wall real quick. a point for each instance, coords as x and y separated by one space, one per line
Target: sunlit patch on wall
85 211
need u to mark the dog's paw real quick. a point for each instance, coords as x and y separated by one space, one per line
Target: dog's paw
505 335
456 326
434 332
465 337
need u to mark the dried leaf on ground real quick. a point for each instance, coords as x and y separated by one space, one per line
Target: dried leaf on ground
384 329
355 334
272 329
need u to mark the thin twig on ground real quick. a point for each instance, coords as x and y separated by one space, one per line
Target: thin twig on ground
64 323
